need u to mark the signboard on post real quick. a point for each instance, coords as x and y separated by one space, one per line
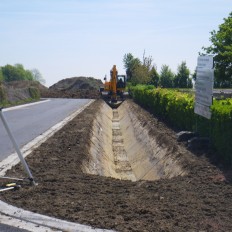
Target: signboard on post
205 62
204 86
202 110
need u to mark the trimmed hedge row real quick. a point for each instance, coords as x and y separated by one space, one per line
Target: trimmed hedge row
178 109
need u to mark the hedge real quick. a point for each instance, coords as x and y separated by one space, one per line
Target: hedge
177 108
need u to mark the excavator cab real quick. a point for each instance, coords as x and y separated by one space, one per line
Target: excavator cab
114 90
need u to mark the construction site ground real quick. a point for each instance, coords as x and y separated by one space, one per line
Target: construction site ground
192 195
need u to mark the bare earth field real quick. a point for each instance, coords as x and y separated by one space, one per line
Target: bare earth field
200 200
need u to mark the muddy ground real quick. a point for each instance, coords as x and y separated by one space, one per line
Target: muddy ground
198 201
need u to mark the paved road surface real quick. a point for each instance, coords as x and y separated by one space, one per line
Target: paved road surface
28 122
6 228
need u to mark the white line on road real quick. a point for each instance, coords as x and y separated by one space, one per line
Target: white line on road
25 105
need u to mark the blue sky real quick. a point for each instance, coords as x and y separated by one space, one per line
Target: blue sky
66 38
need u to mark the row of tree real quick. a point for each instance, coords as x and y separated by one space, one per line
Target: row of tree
18 73
144 72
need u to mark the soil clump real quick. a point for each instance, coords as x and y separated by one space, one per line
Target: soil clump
198 201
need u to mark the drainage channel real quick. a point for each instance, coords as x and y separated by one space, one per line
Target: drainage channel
121 161
121 147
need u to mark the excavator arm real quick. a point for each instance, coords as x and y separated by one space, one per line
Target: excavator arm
114 90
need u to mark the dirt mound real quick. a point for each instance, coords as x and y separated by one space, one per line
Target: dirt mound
75 87
200 200
81 93
76 83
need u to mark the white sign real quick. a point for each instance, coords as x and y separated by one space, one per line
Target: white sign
205 62
204 86
204 111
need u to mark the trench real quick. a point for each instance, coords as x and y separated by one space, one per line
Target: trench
122 147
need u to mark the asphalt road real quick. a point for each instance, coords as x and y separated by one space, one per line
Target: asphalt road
29 121
7 228
228 91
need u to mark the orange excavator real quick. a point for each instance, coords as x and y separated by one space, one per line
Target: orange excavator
113 91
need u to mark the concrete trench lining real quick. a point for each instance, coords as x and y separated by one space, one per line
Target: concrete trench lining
122 148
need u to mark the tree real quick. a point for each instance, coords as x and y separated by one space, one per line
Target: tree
147 61
139 72
194 75
10 73
130 64
154 76
1 75
140 75
189 83
181 79
166 77
37 76
221 48
22 73
18 73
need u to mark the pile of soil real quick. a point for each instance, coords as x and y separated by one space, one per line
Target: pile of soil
198 201
74 83
78 93
75 87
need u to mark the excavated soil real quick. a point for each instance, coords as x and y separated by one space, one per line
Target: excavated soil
186 193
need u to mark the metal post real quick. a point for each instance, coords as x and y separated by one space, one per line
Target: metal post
26 168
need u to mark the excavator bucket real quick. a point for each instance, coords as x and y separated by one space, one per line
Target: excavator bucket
114 105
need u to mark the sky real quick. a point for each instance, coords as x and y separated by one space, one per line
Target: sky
67 38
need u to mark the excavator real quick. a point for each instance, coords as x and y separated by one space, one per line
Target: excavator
113 91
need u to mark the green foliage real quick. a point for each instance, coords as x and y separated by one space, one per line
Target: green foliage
166 77
194 75
130 64
154 75
221 128
178 109
9 73
2 94
144 72
182 79
34 93
140 72
140 75
1 75
222 49
17 72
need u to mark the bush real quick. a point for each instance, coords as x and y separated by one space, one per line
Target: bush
34 93
178 109
2 94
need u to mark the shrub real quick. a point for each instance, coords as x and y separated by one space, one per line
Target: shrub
34 93
178 109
